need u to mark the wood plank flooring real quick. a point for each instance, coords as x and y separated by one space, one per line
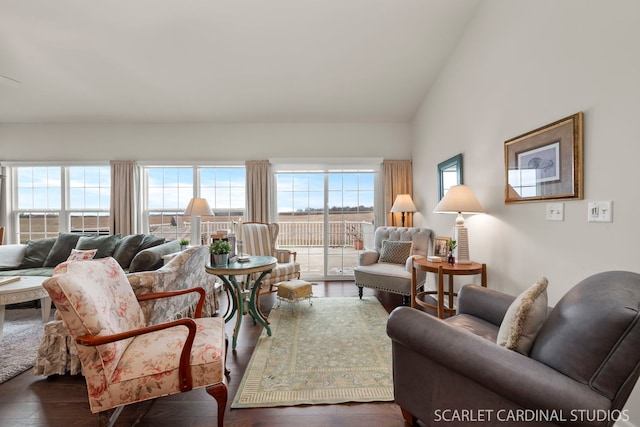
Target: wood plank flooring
61 401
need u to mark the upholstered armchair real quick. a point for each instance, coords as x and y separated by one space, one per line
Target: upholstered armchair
124 359
387 266
578 370
57 353
259 239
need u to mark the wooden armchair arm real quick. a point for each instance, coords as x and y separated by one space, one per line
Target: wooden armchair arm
198 289
280 255
184 369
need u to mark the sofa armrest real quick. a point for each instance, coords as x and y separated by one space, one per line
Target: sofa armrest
524 381
368 257
11 256
151 258
487 304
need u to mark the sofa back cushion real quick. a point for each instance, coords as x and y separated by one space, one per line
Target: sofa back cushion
105 245
37 251
127 248
593 334
61 249
419 236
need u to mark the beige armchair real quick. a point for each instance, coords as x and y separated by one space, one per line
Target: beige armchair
259 239
387 267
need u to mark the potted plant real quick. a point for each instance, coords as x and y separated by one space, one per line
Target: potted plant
452 245
183 244
219 251
355 233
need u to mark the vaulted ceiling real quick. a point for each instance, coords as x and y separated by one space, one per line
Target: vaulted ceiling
223 60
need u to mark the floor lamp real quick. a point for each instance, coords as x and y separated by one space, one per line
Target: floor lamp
196 208
403 204
460 200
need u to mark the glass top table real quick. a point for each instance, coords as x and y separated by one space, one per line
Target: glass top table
245 295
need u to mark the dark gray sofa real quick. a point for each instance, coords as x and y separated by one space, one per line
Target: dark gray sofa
134 253
581 369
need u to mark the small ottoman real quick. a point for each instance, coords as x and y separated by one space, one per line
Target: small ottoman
294 290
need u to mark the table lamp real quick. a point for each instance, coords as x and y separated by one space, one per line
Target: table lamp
196 208
461 200
403 204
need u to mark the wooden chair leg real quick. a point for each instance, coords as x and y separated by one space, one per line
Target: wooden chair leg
219 393
408 417
227 371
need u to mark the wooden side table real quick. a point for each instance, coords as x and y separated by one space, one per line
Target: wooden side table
442 268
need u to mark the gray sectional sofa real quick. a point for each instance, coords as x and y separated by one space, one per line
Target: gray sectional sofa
134 253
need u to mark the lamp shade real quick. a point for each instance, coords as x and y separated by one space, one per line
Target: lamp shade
198 207
459 199
403 203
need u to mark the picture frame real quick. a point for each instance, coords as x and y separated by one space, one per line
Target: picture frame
545 163
449 174
441 246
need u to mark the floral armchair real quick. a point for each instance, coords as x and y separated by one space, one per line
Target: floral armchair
259 239
124 359
57 354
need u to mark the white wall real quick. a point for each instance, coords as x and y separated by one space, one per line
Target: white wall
202 141
523 64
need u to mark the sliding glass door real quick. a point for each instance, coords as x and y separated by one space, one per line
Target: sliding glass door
326 217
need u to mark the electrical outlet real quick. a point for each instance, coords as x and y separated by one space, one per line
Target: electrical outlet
555 211
600 211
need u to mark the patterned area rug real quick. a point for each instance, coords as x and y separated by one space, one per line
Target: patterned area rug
334 351
23 330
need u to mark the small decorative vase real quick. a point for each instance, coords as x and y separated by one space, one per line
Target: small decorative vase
451 259
220 259
183 247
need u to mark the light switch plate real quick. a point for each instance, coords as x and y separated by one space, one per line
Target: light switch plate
600 211
555 211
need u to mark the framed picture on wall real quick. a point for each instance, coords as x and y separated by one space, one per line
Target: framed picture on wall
546 163
441 246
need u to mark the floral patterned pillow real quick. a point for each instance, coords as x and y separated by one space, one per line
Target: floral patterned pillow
82 255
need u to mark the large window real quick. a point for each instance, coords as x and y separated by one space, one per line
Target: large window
54 199
326 216
169 189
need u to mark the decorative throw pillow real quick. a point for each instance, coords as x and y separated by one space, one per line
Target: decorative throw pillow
524 318
79 255
104 244
61 249
395 251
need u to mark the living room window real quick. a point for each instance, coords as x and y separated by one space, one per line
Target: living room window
54 199
168 190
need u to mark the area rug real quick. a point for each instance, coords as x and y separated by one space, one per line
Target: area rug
23 330
334 351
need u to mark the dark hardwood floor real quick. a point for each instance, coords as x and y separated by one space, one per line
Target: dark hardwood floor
61 401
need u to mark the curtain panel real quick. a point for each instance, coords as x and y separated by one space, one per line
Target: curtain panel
258 190
124 193
398 179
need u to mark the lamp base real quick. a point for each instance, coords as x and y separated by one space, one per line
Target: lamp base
461 236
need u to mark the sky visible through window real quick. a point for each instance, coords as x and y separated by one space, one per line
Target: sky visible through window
40 187
301 191
173 187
